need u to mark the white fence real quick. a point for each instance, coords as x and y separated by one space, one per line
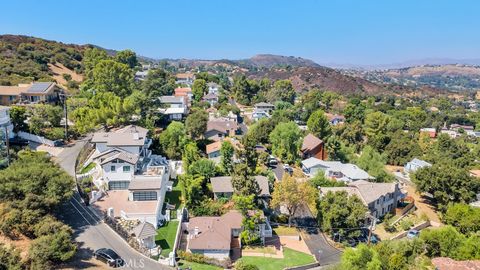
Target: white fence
35 138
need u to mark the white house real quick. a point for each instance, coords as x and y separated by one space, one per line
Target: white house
334 169
211 98
415 164
174 107
133 180
213 88
262 110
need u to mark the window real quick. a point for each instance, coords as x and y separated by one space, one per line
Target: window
115 161
118 185
145 196
378 201
126 168
112 168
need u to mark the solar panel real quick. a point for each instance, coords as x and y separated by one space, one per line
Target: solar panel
39 87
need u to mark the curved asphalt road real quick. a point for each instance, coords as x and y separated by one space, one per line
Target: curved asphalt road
89 231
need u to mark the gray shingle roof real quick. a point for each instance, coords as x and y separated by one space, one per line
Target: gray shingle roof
171 99
367 191
223 184
144 230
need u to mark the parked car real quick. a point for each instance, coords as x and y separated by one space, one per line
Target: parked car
413 234
108 256
288 169
272 161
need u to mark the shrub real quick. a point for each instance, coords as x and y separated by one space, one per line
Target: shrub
406 224
200 258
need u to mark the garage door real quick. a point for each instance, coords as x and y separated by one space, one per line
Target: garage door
116 185
145 196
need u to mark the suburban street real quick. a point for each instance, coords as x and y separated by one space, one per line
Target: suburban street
89 231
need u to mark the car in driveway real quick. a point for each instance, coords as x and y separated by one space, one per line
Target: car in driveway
108 256
272 161
288 169
412 234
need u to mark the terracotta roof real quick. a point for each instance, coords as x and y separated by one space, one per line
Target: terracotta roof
184 75
442 263
182 91
144 230
310 142
214 147
213 232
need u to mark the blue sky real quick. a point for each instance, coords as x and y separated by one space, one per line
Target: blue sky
340 31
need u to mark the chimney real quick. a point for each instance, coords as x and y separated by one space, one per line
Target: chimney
195 231
135 136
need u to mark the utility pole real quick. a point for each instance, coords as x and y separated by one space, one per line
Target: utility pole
8 145
64 100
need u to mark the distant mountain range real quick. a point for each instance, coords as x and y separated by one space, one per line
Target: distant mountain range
406 64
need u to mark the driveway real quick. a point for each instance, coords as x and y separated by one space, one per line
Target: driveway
278 171
89 231
320 248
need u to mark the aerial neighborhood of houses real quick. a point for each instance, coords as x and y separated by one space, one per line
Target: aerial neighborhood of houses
205 173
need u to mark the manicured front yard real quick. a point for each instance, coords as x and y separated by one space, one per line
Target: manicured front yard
87 168
166 237
197 266
284 230
291 258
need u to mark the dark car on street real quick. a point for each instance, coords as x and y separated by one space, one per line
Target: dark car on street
108 256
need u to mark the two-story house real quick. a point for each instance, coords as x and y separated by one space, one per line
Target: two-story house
262 110
213 88
133 180
379 198
185 78
220 128
175 108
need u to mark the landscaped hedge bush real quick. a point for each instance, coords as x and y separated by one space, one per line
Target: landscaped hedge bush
199 258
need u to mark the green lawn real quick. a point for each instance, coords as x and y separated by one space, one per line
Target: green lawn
173 197
291 258
166 237
197 266
284 230
87 168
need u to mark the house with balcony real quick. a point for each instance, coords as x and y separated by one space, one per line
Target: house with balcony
36 92
337 170
133 182
213 88
175 108
379 198
185 78
262 110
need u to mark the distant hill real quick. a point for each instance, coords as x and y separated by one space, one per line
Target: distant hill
449 77
407 64
25 59
270 60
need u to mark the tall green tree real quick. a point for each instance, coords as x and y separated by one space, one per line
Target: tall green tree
464 217
91 57
282 90
292 195
196 124
199 88
374 163
204 167
227 151
127 57
361 258
112 76
447 183
243 183
172 140
339 213
319 125
286 140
